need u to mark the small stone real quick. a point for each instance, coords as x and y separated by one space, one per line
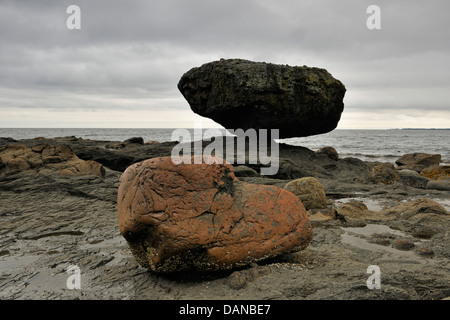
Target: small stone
241 279
138 140
425 251
310 192
352 210
244 171
401 244
330 152
380 241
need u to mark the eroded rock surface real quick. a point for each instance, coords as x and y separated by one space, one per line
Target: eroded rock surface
310 192
59 159
236 93
200 216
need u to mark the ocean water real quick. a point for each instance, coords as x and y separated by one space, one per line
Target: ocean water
367 145
380 145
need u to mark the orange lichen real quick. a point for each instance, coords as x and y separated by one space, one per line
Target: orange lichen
200 216
436 173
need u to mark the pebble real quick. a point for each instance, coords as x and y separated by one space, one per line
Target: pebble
402 244
382 242
425 251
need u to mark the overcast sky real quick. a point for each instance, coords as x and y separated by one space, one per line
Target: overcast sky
122 67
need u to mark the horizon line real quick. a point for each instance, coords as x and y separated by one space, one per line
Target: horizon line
146 128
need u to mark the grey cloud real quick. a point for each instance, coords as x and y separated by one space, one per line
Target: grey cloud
138 50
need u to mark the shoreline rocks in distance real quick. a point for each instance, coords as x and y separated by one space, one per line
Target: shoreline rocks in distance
330 152
47 158
418 161
124 144
436 172
422 170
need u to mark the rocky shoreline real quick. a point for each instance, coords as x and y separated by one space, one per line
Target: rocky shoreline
58 207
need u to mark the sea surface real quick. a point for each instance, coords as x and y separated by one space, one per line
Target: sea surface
368 145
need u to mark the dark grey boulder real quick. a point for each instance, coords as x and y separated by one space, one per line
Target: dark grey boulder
413 179
241 94
414 159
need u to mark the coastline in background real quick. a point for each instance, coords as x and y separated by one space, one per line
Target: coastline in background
368 145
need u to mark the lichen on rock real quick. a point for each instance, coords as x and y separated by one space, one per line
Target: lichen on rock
179 217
